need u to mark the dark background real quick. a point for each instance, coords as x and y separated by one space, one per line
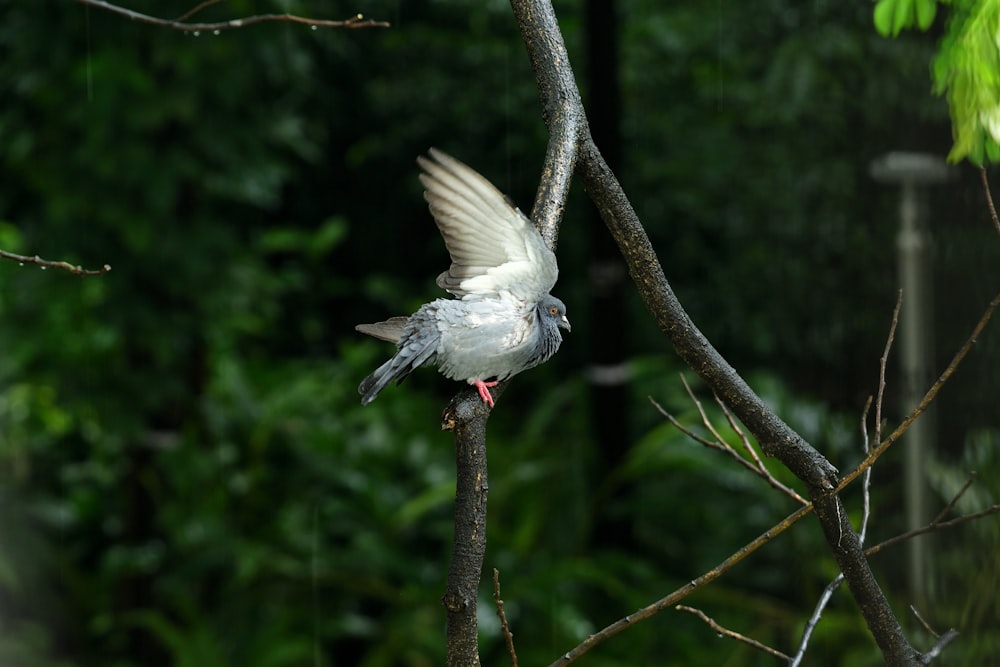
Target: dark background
186 474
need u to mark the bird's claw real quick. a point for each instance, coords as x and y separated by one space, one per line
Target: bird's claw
483 389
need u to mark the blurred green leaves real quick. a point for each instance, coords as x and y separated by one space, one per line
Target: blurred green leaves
894 16
966 69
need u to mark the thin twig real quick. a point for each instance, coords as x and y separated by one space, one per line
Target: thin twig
744 438
939 645
757 466
927 626
813 621
704 417
866 495
925 401
46 264
504 627
989 198
946 510
932 527
356 21
723 446
732 633
883 361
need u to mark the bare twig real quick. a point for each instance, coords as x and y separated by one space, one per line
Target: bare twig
813 621
942 640
883 360
926 400
866 495
735 425
989 198
356 21
46 264
946 510
756 466
939 645
932 527
504 627
732 633
927 626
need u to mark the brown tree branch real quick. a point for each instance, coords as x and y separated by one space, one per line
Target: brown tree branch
356 21
466 416
75 269
572 145
732 634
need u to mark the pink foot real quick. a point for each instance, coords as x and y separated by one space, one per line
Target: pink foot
483 389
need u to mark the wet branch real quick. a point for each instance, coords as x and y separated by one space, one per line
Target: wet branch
75 269
181 23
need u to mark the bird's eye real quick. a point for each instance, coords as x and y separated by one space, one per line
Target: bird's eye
553 310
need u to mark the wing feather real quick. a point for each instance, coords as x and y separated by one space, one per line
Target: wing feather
494 247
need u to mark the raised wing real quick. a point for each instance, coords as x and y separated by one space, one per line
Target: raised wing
493 246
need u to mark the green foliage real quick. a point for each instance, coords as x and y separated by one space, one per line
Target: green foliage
966 68
967 71
894 16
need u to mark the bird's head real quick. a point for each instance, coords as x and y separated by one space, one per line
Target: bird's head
555 309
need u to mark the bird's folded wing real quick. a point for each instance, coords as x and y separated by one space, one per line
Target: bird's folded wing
493 246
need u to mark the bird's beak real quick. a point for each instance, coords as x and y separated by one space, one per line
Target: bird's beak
564 323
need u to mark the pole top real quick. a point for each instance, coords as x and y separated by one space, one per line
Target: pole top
902 167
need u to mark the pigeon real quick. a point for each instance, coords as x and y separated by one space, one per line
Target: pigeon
502 319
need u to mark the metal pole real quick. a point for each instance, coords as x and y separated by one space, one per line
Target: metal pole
911 171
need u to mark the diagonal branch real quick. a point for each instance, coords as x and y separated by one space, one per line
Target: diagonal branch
732 634
356 21
570 140
75 269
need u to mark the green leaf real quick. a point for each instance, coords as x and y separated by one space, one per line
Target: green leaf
926 10
884 11
903 16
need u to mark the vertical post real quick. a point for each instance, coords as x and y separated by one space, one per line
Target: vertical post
916 347
911 171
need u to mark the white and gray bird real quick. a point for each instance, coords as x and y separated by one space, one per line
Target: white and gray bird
503 319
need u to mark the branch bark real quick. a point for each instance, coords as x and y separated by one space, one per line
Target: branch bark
571 148
466 415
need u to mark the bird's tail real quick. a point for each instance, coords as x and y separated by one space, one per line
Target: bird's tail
376 382
402 364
